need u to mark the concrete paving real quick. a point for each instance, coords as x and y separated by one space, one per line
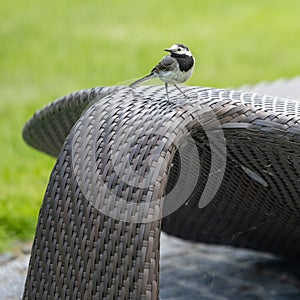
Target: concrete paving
193 271
199 271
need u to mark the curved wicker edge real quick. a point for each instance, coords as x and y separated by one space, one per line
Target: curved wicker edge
81 252
283 87
49 127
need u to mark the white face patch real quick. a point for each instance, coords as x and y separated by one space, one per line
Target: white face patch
174 48
180 50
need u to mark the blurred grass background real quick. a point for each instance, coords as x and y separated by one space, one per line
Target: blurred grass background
48 49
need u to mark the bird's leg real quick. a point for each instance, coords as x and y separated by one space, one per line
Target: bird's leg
166 86
177 87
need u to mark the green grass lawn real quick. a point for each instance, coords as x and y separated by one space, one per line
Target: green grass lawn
48 49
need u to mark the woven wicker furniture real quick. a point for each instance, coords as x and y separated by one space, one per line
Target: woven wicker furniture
231 157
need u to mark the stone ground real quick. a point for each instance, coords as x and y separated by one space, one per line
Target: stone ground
193 271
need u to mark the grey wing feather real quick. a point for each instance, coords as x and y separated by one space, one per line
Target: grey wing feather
167 63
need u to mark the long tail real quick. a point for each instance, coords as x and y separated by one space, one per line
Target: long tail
139 81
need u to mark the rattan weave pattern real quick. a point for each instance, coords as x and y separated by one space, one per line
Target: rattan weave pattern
80 252
49 127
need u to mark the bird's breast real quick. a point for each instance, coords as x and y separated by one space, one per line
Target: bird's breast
176 76
185 62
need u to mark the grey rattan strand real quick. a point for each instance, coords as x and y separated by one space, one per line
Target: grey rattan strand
80 252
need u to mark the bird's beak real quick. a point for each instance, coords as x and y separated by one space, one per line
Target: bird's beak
168 50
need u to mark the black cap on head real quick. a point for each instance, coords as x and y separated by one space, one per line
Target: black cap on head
182 46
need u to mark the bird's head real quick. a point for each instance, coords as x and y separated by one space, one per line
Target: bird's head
179 49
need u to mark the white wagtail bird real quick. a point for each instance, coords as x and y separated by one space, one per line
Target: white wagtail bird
173 69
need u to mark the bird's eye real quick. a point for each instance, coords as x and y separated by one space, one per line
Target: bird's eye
179 49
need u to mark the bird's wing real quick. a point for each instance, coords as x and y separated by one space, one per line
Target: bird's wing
167 63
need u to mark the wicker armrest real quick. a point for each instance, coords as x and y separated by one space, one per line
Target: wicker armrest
219 166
